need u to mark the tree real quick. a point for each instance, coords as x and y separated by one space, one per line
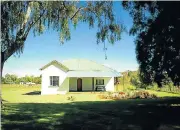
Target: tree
10 78
37 80
18 18
14 77
28 78
2 80
157 27
135 80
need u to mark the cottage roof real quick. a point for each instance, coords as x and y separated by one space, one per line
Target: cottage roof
84 68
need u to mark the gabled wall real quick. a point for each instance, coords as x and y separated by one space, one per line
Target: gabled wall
52 70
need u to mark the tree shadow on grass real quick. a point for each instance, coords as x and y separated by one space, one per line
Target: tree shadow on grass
33 93
108 115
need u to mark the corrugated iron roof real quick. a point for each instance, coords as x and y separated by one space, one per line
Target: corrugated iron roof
57 64
84 68
85 65
92 74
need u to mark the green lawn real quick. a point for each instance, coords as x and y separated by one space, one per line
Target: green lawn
22 94
25 109
164 94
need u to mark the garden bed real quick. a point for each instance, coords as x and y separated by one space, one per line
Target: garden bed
127 95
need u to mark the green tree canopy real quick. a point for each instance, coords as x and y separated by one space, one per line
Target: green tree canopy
157 27
10 78
18 18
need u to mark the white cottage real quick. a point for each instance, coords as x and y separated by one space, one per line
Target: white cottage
76 75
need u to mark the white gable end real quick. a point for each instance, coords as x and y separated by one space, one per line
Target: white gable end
52 71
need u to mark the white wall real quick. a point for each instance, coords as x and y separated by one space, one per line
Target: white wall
109 82
53 71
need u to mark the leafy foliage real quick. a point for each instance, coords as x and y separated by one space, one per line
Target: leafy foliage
20 17
143 94
9 78
127 95
131 81
14 79
71 98
157 27
130 78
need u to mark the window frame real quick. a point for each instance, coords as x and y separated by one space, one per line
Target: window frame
54 83
98 81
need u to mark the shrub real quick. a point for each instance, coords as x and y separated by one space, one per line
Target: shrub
127 95
115 95
155 87
118 95
105 96
119 87
131 87
143 94
121 93
71 98
130 94
101 96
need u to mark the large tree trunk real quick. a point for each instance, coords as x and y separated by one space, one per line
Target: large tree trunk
2 62
6 54
20 38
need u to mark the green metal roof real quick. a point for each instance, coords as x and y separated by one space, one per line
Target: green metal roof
92 74
84 68
84 65
55 63
88 68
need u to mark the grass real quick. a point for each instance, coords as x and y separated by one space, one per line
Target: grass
163 94
25 109
22 94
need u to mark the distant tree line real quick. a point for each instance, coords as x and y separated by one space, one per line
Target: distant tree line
14 79
132 80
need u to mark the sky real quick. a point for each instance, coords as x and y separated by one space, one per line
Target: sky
40 50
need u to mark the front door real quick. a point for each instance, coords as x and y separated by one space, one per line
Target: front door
79 84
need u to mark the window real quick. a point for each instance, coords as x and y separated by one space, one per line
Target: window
54 80
99 81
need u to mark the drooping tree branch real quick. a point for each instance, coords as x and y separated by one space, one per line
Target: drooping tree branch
20 37
76 12
58 15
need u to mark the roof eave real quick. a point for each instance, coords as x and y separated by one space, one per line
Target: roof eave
54 62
